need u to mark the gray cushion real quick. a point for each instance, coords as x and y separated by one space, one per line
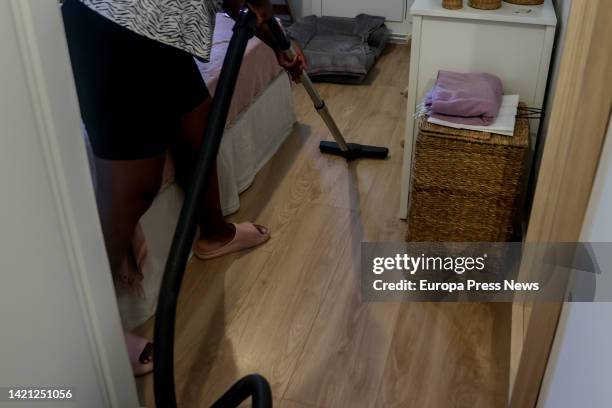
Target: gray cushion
340 49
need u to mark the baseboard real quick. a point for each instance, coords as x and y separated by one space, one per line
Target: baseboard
400 38
401 33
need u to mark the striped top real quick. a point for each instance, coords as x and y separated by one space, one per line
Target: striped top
184 24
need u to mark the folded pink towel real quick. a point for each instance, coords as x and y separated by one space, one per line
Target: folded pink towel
468 99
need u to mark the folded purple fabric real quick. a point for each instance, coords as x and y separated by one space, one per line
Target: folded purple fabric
468 99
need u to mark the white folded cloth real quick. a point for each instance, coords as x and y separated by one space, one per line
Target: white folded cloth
503 124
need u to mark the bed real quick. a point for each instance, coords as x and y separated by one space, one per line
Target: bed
260 118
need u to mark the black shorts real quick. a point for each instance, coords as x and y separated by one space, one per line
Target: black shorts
133 91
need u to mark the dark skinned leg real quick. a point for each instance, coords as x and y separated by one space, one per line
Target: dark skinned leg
214 230
125 191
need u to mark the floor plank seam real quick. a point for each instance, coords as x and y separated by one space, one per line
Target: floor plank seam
246 296
314 320
305 404
389 356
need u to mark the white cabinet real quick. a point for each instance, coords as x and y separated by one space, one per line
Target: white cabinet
392 10
514 42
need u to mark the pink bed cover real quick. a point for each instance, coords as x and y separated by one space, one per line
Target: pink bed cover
259 67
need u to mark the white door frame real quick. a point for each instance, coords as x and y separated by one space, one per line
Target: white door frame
43 113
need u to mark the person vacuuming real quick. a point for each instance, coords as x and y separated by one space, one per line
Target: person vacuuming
248 24
142 95
246 27
132 117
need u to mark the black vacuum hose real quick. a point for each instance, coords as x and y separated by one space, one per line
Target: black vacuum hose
163 354
254 386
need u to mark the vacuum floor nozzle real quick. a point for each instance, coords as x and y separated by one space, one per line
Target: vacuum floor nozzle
356 151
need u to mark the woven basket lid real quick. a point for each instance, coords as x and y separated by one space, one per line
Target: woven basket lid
520 138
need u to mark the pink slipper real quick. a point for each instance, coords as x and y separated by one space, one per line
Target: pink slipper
140 351
248 235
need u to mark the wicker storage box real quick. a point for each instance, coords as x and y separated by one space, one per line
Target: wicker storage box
526 2
452 4
485 4
466 185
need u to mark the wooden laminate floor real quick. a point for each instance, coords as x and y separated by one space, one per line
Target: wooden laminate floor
291 309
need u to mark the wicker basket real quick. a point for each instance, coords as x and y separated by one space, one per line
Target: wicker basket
452 4
486 4
466 185
526 2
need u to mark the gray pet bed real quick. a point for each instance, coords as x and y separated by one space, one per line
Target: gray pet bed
340 49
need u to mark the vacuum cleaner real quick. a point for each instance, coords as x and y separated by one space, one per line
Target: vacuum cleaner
350 151
254 386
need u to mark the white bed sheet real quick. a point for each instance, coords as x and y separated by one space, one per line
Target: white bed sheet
253 139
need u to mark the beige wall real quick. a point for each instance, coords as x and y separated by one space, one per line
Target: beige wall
579 371
521 312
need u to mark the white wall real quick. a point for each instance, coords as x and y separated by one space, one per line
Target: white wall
59 324
305 6
401 31
579 373
300 8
